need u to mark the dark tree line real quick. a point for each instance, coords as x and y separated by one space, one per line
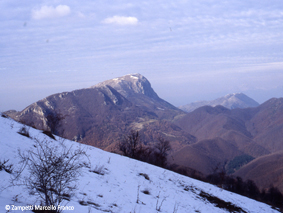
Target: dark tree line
271 196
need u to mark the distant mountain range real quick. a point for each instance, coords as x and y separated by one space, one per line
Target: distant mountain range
230 101
208 139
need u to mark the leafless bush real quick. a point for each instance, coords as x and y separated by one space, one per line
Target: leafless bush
176 206
52 170
159 205
24 131
49 134
4 166
99 169
144 175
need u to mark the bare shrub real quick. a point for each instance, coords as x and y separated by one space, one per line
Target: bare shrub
4 166
221 203
24 131
83 203
159 204
144 175
176 206
99 169
49 134
52 170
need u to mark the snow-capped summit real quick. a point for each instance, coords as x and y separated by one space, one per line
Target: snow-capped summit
230 101
130 85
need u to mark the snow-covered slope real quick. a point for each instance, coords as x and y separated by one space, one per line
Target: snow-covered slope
230 101
122 184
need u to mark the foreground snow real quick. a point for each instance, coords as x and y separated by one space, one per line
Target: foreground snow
124 185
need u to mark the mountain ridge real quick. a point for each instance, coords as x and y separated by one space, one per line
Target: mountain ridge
230 101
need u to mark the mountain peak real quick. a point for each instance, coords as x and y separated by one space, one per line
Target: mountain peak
236 100
230 101
129 85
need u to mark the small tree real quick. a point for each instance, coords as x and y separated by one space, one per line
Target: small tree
130 145
52 170
54 121
162 148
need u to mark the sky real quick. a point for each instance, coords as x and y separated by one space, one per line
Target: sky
189 50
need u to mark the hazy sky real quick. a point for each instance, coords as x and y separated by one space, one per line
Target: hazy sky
188 49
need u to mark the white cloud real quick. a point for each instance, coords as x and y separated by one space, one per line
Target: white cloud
51 12
121 20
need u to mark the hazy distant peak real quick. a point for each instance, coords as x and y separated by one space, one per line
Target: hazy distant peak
230 101
239 94
235 100
129 85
